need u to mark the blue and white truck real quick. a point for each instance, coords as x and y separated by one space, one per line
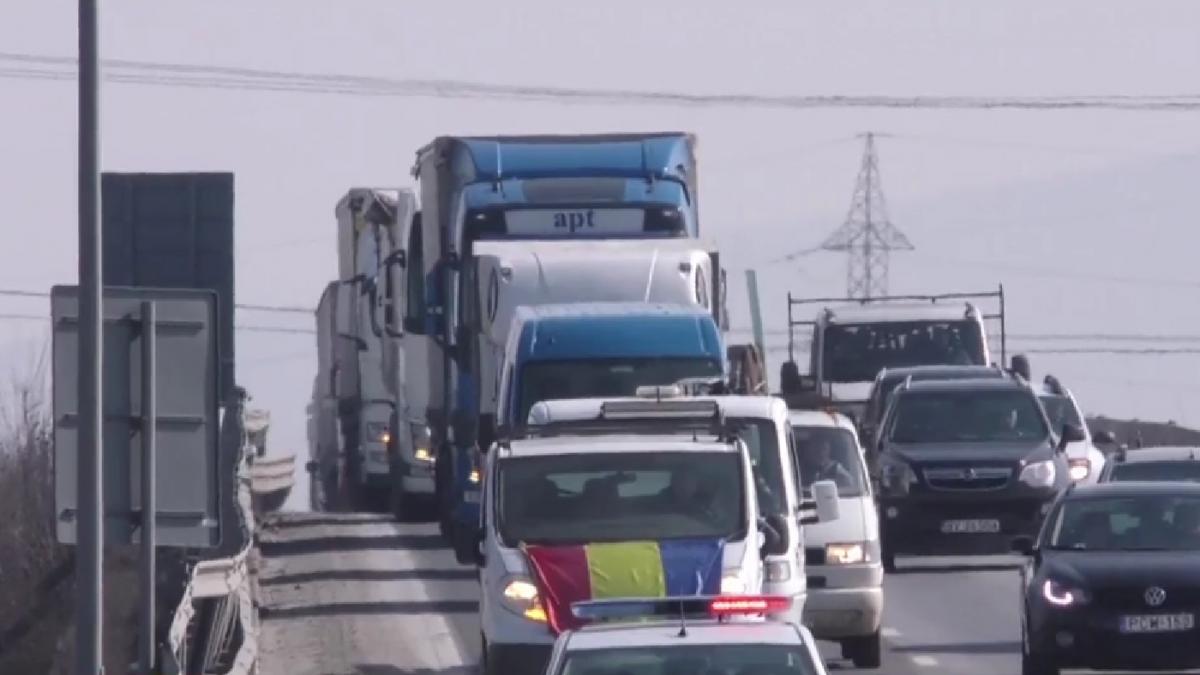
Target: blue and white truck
518 188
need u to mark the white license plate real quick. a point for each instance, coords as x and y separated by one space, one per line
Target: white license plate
1157 623
971 526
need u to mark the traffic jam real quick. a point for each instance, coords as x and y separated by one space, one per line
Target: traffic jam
565 403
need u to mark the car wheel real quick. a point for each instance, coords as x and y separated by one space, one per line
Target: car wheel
865 651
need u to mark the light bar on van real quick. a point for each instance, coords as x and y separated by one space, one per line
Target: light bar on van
655 409
686 606
658 391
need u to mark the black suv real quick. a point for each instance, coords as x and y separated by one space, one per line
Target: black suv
889 378
964 466
1113 580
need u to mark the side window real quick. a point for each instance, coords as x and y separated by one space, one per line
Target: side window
415 270
796 479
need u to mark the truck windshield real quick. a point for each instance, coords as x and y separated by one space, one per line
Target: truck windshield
763 443
547 380
857 352
829 453
626 496
761 659
967 417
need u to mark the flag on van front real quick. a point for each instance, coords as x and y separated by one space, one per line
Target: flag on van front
635 569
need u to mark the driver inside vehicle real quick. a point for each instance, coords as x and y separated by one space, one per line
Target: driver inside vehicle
827 467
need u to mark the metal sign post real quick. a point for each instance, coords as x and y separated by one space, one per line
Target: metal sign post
89 478
146 641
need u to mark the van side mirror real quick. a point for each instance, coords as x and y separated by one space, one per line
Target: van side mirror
1022 545
1070 434
825 494
775 534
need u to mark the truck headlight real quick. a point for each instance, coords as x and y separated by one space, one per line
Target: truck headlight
520 596
1039 474
1080 469
845 554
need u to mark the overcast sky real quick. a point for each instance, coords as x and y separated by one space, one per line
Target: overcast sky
1088 216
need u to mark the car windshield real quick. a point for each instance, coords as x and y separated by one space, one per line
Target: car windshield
625 496
718 659
1061 411
857 352
967 417
829 453
547 380
763 443
1180 470
1144 522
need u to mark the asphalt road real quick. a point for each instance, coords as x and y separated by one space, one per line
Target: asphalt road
363 595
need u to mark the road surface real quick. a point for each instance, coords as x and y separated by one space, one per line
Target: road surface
363 595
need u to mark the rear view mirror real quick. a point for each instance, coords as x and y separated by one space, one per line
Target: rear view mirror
1071 434
1022 545
825 494
775 535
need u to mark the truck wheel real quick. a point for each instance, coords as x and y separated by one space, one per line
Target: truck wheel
864 651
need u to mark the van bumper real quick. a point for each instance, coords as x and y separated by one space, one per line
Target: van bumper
837 613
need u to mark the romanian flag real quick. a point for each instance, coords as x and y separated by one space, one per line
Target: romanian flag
636 569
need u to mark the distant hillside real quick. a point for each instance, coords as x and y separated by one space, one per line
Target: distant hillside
1152 433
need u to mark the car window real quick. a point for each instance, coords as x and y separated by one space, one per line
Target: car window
1157 471
1061 411
1148 522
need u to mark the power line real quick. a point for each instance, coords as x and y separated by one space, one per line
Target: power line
44 67
246 328
279 309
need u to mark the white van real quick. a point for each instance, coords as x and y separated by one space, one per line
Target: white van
578 484
762 423
845 571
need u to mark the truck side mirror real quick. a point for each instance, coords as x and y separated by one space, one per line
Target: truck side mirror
1070 434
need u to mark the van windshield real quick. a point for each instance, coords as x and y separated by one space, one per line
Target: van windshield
829 453
857 352
621 496
595 378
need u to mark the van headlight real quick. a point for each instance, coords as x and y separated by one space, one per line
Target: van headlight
732 583
520 596
1080 469
845 554
1039 474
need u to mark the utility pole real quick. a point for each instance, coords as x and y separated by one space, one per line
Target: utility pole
867 236
89 649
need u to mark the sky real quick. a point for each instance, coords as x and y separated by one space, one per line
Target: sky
1086 215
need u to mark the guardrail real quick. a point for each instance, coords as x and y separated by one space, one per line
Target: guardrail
271 481
215 626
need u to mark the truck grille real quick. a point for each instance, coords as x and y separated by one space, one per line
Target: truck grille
968 478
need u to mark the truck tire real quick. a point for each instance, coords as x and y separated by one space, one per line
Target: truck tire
865 651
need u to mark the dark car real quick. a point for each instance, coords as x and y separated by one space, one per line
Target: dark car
1113 580
1153 464
889 378
964 466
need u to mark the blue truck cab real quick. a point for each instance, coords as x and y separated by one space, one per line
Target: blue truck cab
587 350
609 186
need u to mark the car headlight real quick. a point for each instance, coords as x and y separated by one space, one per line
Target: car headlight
845 554
1080 469
520 596
732 583
898 476
1039 474
1062 595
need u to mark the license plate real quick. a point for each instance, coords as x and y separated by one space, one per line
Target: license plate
471 497
971 526
1157 623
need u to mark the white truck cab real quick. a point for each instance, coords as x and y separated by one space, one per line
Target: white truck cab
762 423
693 635
845 570
853 339
571 485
